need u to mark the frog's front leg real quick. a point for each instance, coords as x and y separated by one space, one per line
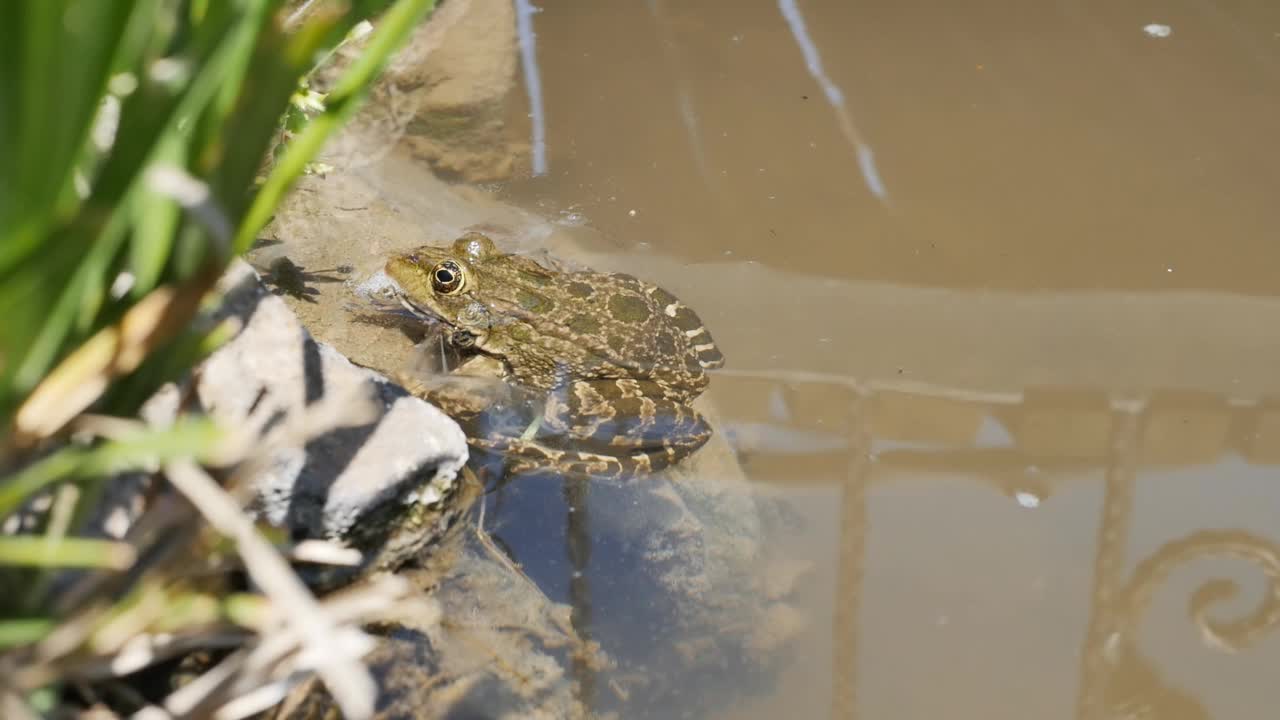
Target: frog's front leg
474 387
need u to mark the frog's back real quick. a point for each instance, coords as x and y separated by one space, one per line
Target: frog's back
600 324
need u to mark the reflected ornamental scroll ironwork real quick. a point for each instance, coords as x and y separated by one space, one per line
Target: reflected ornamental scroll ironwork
1133 688
1229 636
1117 680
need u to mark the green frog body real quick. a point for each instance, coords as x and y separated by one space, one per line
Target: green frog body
608 363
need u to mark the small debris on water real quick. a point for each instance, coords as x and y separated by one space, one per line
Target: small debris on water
572 218
1157 30
779 408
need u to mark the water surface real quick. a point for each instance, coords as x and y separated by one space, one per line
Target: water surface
1001 317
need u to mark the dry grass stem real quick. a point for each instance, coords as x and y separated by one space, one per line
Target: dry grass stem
346 677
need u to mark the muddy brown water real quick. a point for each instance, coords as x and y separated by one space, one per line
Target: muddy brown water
1028 345
999 291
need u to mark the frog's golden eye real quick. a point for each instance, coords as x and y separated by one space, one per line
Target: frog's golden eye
446 277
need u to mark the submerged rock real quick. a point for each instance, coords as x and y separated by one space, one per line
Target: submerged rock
503 650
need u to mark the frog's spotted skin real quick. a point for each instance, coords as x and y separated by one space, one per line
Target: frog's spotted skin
610 362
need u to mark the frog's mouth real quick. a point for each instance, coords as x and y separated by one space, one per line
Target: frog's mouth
417 311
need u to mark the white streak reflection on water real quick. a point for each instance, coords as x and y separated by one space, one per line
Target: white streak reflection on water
533 82
813 61
688 113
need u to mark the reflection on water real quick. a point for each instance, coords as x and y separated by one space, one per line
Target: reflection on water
532 84
813 62
1028 421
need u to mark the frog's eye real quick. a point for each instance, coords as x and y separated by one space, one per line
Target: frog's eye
446 277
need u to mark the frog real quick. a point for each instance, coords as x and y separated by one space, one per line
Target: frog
606 365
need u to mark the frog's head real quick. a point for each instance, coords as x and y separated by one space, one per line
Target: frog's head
441 283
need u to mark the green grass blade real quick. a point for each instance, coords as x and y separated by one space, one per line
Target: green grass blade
16 488
23 631
220 41
278 62
393 29
37 551
154 219
189 437
74 308
50 99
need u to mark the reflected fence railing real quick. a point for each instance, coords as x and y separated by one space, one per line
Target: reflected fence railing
1060 432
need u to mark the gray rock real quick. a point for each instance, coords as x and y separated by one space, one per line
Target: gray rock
387 461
